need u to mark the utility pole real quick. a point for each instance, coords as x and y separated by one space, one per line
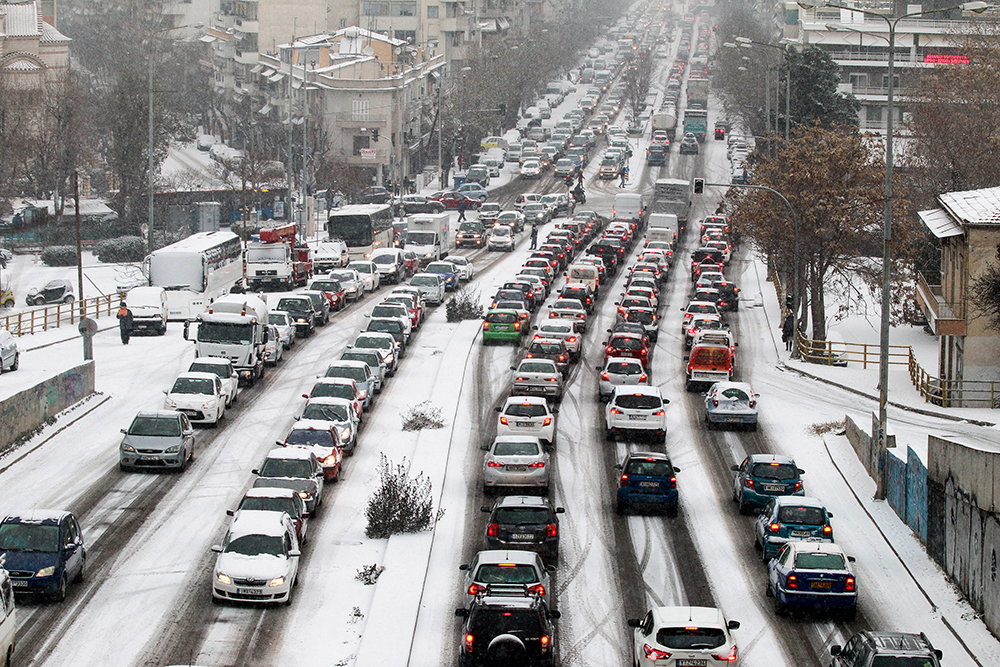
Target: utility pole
79 243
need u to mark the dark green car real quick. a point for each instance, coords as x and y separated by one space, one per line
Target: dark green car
502 325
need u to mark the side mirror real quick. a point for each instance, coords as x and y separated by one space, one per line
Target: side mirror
852 559
801 471
829 515
835 650
513 368
938 654
733 625
279 443
734 468
485 448
617 466
463 567
635 622
560 510
255 471
294 553
306 515
666 401
165 391
125 431
217 548
498 409
484 508
230 512
555 411
553 614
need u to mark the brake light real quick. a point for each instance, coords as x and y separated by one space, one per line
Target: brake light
474 589
537 589
562 357
571 339
610 349
537 464
529 356
827 531
715 402
726 658
616 411
492 530
793 581
654 653
643 377
486 326
658 413
673 482
519 379
623 480
798 485
468 643
748 483
503 419
552 314
753 403
547 421
774 527
494 464
551 530
552 379
545 640
517 326
849 584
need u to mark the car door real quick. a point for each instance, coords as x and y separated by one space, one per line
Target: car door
72 547
188 433
765 519
740 476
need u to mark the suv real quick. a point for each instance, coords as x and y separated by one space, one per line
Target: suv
42 551
885 648
471 233
524 522
507 624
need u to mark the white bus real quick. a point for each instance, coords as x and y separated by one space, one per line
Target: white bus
195 271
363 227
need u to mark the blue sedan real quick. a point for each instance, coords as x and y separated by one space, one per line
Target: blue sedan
446 270
813 576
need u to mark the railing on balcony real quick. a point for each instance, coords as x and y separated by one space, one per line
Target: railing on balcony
945 319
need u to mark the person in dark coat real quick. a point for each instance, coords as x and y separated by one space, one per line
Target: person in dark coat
125 322
534 236
461 210
788 331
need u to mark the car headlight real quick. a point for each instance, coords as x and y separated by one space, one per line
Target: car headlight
345 434
46 571
172 450
277 581
207 404
362 394
301 320
127 447
430 254
305 495
172 403
224 579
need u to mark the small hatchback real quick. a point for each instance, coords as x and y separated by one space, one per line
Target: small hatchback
791 518
636 408
647 479
516 460
676 636
527 415
763 476
42 551
258 560
524 522
502 326
618 371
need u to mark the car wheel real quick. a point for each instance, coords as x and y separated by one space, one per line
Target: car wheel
763 555
744 507
17 361
60 593
709 423
753 426
779 608
39 300
619 508
767 589
8 661
68 298
216 601
609 435
849 614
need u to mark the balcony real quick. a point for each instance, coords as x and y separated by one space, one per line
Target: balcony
942 317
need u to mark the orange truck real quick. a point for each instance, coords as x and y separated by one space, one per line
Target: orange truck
279 260
709 363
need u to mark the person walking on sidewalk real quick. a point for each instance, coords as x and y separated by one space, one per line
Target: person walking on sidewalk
125 322
534 236
461 210
579 178
788 331
624 175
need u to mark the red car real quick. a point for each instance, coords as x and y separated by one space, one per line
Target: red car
332 290
451 200
627 345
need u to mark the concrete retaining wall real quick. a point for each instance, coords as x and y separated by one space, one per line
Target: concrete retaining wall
25 411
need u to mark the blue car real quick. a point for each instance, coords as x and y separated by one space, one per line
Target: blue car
763 476
790 518
446 270
813 576
42 551
649 479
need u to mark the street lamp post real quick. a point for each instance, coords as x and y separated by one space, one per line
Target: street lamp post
883 371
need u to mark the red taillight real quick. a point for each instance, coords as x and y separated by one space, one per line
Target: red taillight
748 483
537 464
553 315
798 485
610 349
793 581
474 588
486 326
643 378
517 326
562 357
616 411
546 641
653 653
658 413
468 643
571 339
774 527
492 530
519 379
849 584
503 419
547 421
715 402
623 480
753 403
529 356
673 482
538 589
730 657
827 531
494 464
552 380
604 376
551 530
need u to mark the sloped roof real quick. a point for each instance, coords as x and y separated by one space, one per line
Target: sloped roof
22 20
973 207
940 223
22 66
51 35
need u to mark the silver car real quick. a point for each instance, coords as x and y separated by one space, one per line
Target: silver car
516 460
618 371
351 281
157 439
431 286
507 566
285 325
338 411
538 377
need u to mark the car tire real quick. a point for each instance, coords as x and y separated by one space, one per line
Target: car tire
767 588
609 435
744 507
753 426
39 300
68 298
124 468
163 329
620 508
779 608
848 615
17 362
59 595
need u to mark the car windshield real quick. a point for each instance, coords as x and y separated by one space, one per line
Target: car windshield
501 231
639 401
29 537
311 436
317 299
286 505
506 573
384 259
220 332
799 515
337 390
817 560
518 622
343 276
526 410
296 468
622 368
651 467
280 319
525 448
420 238
155 426
774 471
193 386
256 545
292 305
374 341
690 637
424 280
519 516
326 412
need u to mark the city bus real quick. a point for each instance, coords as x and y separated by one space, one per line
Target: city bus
195 271
363 227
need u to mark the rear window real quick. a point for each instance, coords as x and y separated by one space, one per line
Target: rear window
903 661
286 505
501 318
526 448
507 573
651 467
526 410
806 516
640 316
537 367
356 374
639 401
627 344
819 561
523 515
701 308
691 638
710 356
333 390
386 326
775 471
735 394
620 368
545 348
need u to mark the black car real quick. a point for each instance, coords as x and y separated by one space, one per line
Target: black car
302 312
526 289
321 305
524 522
478 174
866 649
612 251
376 194
507 625
729 295
410 204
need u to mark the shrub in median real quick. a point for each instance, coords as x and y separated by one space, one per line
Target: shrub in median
401 503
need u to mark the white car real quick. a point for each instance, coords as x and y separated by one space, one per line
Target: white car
199 396
527 415
224 369
431 286
274 349
466 271
516 460
351 281
397 311
285 326
501 238
562 330
531 169
258 560
636 408
9 354
368 272
674 636
341 412
618 372
539 287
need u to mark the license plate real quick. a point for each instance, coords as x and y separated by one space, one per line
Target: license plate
250 591
774 487
18 583
524 424
733 419
516 468
822 584
522 536
801 533
643 417
650 484
691 663
149 458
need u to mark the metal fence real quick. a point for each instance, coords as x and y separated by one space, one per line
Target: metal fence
60 314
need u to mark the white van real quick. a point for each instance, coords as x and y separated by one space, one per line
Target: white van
149 309
584 273
628 207
8 619
662 227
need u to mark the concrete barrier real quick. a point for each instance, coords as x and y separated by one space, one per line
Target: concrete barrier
26 410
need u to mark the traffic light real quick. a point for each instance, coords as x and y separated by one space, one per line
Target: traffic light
699 186
502 109
375 134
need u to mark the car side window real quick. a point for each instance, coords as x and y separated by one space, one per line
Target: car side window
769 509
185 425
783 555
75 529
850 651
66 532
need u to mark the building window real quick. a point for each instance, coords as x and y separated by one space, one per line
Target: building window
452 10
874 114
403 9
859 81
361 141
456 38
885 81
432 11
360 109
376 9
408 36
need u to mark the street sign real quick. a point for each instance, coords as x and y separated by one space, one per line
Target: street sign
368 153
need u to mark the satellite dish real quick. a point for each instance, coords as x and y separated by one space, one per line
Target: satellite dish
367 51
398 50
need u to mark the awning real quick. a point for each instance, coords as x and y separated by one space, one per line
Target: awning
267 71
257 68
940 223
276 77
207 39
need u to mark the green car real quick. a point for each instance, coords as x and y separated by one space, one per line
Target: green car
502 325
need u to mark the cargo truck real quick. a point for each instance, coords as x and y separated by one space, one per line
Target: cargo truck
673 195
428 236
696 122
279 260
662 227
665 120
697 92
234 327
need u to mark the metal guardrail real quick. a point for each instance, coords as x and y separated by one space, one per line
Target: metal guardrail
36 320
832 353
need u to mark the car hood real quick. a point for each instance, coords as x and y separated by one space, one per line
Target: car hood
28 560
263 567
147 442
